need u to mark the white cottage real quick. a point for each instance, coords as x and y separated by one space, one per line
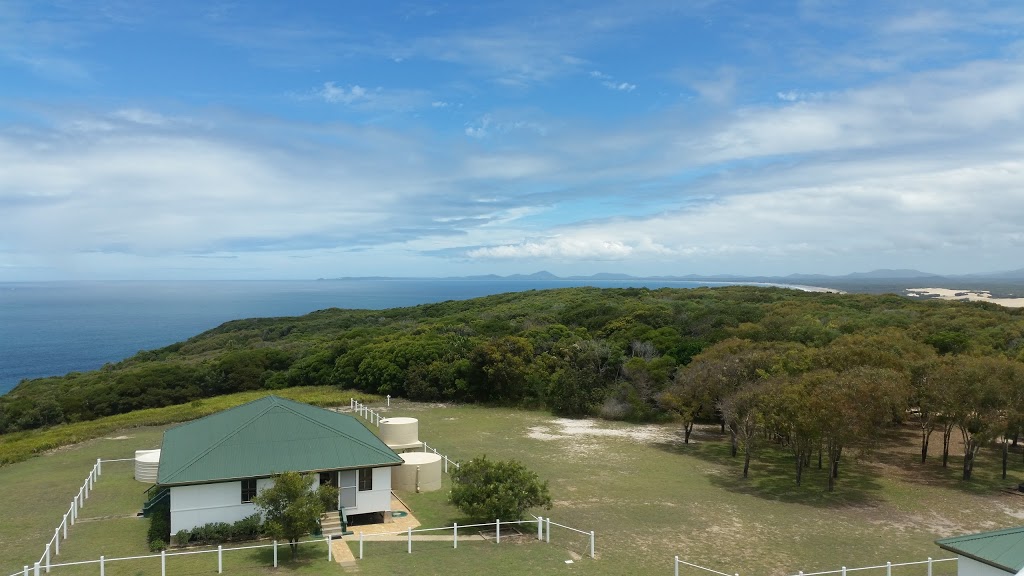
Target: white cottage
996 553
212 467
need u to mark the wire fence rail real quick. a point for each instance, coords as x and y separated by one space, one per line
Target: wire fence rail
374 417
888 566
543 526
103 561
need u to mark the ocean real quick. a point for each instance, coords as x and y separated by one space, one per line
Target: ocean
53 328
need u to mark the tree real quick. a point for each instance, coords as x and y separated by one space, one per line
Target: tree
743 411
491 489
291 508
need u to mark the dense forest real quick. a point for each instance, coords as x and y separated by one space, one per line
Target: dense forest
814 372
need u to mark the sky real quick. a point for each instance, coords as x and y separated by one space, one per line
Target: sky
270 140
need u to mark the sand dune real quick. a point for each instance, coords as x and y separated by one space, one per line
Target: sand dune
972 295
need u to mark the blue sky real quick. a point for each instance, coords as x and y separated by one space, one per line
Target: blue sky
159 140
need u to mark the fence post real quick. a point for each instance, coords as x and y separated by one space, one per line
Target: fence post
410 540
389 400
455 536
591 544
56 541
360 545
220 558
677 566
64 525
844 570
328 540
547 529
36 569
92 479
275 546
86 487
929 566
424 446
498 530
888 569
47 557
99 467
103 567
540 528
26 570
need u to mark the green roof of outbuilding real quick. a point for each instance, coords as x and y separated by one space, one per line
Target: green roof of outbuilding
1003 549
268 436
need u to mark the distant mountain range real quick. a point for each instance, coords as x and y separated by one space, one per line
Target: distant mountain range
1003 284
882 275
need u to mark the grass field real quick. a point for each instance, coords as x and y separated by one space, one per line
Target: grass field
647 496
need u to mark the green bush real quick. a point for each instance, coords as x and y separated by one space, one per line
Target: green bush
182 537
160 526
157 545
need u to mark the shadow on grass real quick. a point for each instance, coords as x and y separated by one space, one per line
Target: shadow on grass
986 478
773 476
896 453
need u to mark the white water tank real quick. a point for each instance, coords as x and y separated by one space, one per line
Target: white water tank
400 433
147 462
421 472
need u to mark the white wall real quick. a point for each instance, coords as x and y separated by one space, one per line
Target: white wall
378 499
969 567
199 504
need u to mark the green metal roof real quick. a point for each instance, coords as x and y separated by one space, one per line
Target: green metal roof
268 436
1003 549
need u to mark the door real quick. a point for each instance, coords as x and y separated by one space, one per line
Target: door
348 488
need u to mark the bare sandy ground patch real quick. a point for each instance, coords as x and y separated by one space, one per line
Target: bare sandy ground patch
968 295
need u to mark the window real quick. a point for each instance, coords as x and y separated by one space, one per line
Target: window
365 479
248 490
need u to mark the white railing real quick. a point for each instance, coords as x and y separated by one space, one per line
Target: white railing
543 533
888 567
679 562
374 417
77 503
102 561
842 571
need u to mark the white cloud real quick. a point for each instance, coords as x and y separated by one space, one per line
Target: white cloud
140 116
344 95
620 86
579 248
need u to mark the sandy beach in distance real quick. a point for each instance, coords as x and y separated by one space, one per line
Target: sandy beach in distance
972 295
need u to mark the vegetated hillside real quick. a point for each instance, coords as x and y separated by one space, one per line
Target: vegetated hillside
610 352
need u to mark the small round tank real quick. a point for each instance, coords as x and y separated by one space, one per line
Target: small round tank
421 472
400 433
147 462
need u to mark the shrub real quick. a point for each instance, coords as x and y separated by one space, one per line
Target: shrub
247 528
157 545
182 537
160 526
488 489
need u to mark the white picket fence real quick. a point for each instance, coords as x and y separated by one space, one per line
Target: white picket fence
77 503
543 533
842 571
103 561
374 417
